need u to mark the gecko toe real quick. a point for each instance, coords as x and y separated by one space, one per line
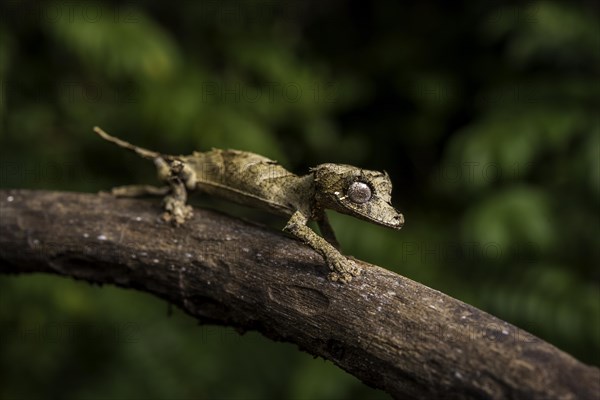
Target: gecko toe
178 215
343 269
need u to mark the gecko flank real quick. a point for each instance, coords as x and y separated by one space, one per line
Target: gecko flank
256 181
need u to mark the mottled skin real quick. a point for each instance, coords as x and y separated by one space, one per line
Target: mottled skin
259 182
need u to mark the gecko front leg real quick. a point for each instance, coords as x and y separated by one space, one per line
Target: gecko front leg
343 269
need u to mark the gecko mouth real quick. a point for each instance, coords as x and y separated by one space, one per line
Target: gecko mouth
395 222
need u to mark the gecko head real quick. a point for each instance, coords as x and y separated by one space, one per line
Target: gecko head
358 192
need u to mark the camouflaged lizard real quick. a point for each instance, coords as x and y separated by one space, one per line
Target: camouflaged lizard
256 181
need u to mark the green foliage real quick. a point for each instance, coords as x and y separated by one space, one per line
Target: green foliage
485 118
137 49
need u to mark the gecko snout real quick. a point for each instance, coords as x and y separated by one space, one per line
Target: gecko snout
399 219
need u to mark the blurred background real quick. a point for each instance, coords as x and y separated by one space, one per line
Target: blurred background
484 115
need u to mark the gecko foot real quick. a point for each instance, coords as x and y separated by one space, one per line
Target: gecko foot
343 269
176 211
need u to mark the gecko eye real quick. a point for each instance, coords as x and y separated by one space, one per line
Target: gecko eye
359 192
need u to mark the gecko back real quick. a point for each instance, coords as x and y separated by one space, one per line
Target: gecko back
246 178
239 176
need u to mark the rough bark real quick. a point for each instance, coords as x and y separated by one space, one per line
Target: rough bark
390 332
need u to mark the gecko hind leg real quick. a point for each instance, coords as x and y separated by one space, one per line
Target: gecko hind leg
174 204
139 191
163 172
180 177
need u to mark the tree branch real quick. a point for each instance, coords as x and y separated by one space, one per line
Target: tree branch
390 332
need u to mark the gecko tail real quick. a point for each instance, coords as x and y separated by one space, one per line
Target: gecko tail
148 154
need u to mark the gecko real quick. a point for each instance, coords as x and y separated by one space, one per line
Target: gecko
257 181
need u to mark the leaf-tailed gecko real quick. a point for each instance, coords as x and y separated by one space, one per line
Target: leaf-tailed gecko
253 180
